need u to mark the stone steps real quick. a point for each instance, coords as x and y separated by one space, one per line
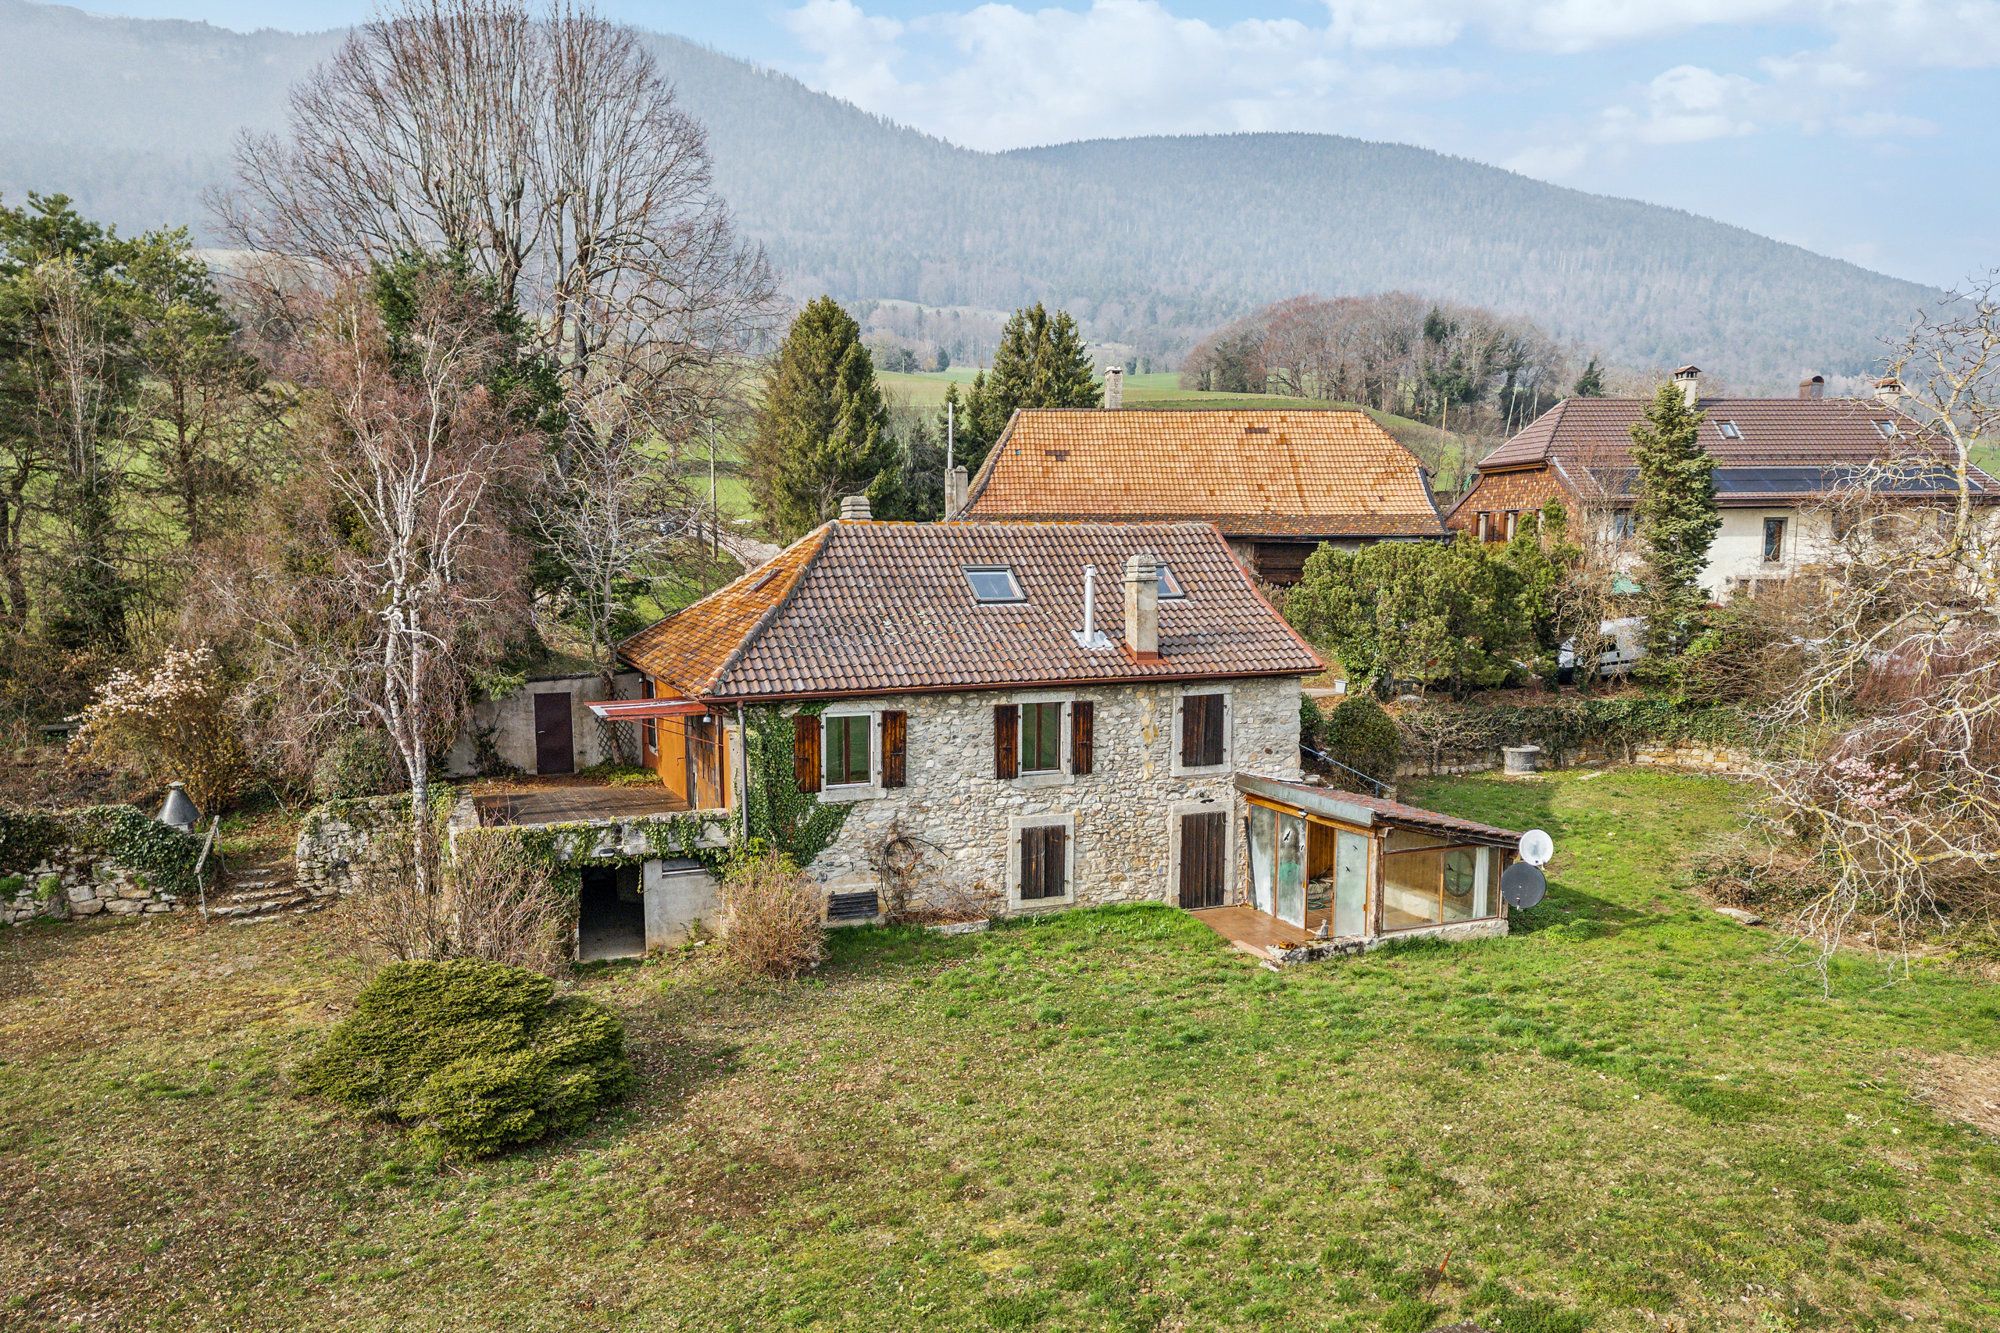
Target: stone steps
258 888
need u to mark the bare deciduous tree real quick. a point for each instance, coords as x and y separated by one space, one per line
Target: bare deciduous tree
1892 670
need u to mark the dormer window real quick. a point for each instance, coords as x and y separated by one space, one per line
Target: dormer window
1730 430
993 584
1886 429
1170 587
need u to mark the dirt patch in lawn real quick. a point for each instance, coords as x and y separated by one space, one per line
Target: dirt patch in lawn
1964 1087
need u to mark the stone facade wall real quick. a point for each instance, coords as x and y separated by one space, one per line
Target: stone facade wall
341 844
499 734
68 882
948 840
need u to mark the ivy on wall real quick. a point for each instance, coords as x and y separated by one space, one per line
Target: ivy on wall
566 850
164 856
779 816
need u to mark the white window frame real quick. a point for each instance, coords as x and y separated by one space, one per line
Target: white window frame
1016 823
1176 767
852 791
1064 772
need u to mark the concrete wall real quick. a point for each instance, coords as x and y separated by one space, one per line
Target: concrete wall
948 840
507 726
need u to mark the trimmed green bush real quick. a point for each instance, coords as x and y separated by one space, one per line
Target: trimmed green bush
357 764
474 1057
1360 734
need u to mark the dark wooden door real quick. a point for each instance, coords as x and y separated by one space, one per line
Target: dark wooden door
555 751
1203 865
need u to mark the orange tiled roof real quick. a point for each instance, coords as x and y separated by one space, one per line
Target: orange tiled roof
881 608
690 648
1329 473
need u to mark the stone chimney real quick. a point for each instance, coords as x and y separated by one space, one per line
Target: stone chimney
1114 388
1813 387
1889 392
854 509
954 492
1142 608
1689 380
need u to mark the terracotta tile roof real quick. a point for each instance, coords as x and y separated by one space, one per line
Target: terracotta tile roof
689 649
1325 473
876 608
1785 449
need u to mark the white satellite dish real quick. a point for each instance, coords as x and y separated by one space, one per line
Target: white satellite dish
1537 847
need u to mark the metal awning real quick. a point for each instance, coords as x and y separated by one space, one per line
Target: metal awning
640 710
1370 812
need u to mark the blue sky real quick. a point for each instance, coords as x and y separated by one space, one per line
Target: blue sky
1859 128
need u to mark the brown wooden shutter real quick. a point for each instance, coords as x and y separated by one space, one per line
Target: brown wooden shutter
805 751
1082 735
894 725
1006 741
1055 840
1201 730
1202 872
1032 862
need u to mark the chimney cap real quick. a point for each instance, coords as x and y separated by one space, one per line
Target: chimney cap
854 509
1812 386
1687 372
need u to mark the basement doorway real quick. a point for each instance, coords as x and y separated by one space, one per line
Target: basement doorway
610 914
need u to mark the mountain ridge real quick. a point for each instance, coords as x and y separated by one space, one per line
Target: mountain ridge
1151 241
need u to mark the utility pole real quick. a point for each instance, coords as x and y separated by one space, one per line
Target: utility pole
714 508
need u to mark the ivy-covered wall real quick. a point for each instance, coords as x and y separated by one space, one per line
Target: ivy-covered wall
780 817
567 849
111 859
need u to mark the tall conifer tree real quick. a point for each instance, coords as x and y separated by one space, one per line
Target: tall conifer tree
1676 518
822 432
1041 362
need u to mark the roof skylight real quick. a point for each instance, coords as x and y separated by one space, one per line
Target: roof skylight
1886 429
1730 430
1170 587
993 583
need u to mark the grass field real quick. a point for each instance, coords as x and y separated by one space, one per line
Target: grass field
1630 1115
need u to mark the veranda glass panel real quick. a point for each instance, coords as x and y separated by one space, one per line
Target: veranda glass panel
846 757
1461 883
1292 870
1410 882
1263 856
1350 885
1041 738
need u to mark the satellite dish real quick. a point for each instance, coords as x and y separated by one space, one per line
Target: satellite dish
1522 885
1537 847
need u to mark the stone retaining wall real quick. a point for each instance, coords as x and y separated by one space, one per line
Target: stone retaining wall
342 847
69 874
1690 757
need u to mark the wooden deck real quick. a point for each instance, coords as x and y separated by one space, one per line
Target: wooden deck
1256 932
574 803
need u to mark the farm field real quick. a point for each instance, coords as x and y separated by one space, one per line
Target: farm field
1630 1115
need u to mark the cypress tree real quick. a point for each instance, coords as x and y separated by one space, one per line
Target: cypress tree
1676 518
822 431
1041 362
1590 384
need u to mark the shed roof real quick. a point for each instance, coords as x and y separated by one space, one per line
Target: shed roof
1326 473
881 608
1367 811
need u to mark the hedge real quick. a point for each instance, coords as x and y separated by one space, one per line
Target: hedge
1434 733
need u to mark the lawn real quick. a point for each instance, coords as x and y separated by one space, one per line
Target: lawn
1629 1115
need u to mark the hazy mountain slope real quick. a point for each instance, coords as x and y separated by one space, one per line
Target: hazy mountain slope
1147 240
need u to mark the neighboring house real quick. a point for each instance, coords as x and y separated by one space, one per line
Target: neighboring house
1277 483
1014 717
1777 460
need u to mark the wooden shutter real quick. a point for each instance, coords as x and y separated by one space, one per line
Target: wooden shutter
1201 730
1006 741
894 724
1202 859
1082 735
805 751
1055 841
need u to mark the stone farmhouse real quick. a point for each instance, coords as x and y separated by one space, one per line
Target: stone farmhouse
1777 460
972 719
1277 483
